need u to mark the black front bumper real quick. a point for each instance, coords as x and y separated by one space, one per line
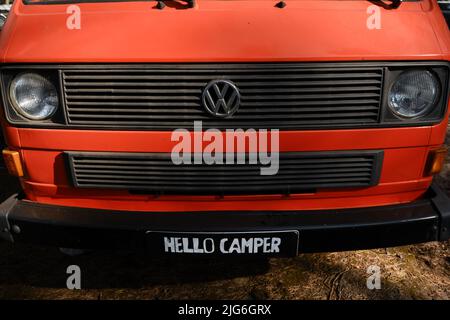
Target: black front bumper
424 220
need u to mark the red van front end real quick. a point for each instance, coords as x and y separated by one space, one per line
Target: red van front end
345 100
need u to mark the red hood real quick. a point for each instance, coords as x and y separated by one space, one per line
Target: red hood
224 31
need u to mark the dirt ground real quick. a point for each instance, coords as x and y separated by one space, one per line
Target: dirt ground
411 272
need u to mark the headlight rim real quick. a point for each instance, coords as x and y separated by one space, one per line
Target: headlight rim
427 111
15 106
3 17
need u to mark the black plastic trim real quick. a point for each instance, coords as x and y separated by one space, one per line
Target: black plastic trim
14 117
445 7
403 65
442 204
324 230
376 156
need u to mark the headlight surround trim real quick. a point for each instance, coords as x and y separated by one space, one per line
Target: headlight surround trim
14 99
428 109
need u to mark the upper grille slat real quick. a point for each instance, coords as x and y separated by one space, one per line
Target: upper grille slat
248 111
168 96
229 175
334 82
140 117
178 77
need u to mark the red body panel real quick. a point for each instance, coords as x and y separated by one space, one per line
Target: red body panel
223 31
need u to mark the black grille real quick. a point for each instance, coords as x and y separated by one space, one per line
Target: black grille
155 173
280 96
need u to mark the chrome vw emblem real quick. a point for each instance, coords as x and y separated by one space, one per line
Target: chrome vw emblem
221 98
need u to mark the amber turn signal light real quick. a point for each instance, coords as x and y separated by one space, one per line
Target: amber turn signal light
435 161
13 163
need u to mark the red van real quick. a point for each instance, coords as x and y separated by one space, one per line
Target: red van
212 127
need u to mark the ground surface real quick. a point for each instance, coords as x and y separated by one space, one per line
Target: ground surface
412 272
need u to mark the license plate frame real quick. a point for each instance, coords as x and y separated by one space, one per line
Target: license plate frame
277 243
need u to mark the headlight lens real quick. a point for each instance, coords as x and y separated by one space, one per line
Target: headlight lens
414 93
2 19
33 96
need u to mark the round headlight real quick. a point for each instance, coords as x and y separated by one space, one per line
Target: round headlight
414 93
33 96
2 19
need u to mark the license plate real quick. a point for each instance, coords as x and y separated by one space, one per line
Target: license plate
263 243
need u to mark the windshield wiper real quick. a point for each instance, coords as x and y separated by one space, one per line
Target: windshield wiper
161 3
394 4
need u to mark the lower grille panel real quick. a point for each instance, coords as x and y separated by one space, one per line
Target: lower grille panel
156 174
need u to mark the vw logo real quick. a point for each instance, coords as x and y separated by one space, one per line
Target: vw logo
221 98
